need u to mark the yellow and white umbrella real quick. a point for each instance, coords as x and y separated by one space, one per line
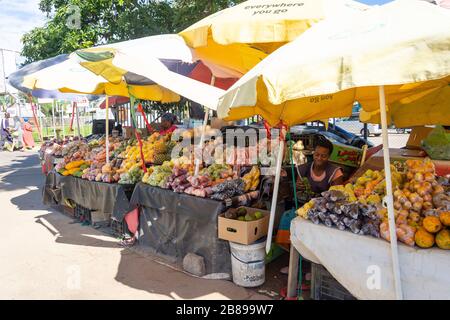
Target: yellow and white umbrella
241 36
390 53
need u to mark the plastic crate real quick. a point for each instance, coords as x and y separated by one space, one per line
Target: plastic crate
119 229
83 214
325 287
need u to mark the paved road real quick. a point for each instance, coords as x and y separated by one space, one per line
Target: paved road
44 256
396 140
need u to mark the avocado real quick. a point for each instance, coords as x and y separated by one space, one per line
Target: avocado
241 211
241 218
258 215
249 217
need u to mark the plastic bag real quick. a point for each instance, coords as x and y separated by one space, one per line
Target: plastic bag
437 144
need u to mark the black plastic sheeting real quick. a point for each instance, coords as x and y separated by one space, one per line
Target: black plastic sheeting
99 196
173 225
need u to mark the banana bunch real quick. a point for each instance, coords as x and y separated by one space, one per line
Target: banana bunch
251 179
303 211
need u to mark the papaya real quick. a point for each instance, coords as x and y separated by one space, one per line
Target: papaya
432 224
444 217
423 238
443 239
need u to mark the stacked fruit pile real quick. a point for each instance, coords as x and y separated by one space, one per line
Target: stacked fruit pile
421 207
74 168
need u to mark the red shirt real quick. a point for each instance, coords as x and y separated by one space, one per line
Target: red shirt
170 130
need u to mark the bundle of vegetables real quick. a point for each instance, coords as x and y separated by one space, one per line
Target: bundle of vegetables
73 168
200 186
228 189
133 176
332 209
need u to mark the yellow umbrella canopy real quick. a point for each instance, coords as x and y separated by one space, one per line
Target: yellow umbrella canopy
432 108
387 45
241 36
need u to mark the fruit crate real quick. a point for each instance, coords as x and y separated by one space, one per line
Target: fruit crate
83 214
325 287
119 229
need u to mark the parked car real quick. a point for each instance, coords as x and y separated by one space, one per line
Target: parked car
353 125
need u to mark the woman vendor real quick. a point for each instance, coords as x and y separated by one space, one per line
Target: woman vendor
321 174
168 123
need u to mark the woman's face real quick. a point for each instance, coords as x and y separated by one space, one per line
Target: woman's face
166 124
321 156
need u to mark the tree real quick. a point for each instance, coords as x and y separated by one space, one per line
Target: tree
76 24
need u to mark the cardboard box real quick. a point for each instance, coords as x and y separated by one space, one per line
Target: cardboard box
416 136
128 132
243 232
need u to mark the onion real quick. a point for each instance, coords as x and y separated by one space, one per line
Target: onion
397 205
427 198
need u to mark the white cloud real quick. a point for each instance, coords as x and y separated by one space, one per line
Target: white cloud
16 18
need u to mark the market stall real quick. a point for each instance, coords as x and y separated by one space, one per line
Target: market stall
366 272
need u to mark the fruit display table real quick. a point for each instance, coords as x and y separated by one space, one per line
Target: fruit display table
174 224
363 264
108 198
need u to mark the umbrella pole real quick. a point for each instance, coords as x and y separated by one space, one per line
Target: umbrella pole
61 108
78 119
389 196
202 139
107 129
53 118
276 185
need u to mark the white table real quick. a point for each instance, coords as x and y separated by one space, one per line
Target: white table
362 264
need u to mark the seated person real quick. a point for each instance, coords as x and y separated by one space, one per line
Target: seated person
167 123
321 174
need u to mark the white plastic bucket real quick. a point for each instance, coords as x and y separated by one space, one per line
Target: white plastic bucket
248 263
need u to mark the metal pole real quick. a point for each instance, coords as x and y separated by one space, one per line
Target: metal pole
78 120
61 110
202 138
365 131
389 196
107 129
53 118
276 186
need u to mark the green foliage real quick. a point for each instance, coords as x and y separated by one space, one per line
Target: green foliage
109 21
